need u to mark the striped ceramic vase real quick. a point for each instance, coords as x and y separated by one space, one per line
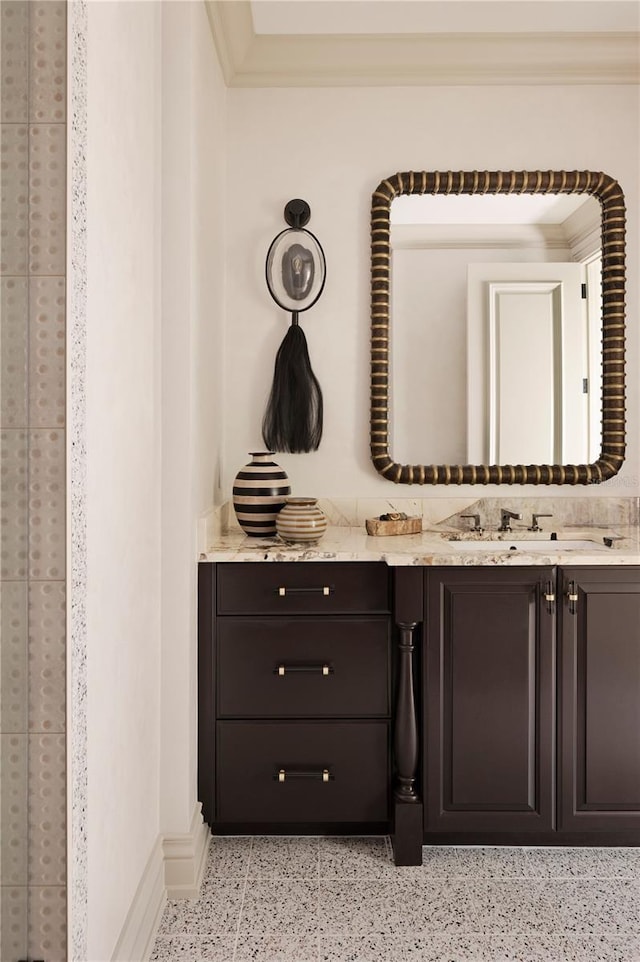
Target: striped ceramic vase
301 520
259 491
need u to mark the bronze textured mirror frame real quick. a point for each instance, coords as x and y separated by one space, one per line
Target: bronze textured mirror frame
607 191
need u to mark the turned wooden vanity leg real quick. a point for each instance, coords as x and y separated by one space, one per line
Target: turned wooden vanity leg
407 827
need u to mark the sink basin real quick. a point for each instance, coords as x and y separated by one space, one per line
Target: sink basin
539 547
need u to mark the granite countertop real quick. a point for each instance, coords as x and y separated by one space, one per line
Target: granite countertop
435 547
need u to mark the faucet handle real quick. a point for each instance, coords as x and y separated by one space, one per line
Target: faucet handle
534 522
505 518
476 522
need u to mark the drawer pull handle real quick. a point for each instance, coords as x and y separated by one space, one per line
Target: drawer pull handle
550 597
324 589
572 597
324 775
303 669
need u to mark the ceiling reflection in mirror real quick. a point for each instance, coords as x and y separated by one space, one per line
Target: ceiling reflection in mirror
488 319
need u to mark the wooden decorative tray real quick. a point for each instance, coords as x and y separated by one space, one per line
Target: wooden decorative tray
402 526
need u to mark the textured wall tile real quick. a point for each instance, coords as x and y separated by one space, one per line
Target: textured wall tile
13 810
47 810
13 911
47 62
47 681
47 198
14 186
14 327
46 352
13 504
48 923
13 656
46 505
14 61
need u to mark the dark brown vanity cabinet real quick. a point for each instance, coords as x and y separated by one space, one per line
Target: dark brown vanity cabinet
599 672
295 695
489 699
470 704
531 711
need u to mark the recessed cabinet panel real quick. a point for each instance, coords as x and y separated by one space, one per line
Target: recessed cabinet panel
303 666
600 663
275 771
285 588
489 701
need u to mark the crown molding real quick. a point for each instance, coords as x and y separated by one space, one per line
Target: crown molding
251 60
542 237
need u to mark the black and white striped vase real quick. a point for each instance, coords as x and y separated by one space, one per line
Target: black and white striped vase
259 492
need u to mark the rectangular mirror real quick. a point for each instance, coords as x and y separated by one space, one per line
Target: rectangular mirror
497 327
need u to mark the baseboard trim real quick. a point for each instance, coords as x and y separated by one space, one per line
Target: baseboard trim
174 870
143 918
185 857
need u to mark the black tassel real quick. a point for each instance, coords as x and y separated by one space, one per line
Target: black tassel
293 419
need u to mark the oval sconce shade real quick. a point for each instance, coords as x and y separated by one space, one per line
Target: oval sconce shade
295 270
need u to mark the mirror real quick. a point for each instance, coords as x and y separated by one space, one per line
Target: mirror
497 349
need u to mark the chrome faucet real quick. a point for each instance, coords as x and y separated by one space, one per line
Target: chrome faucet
477 527
534 522
505 519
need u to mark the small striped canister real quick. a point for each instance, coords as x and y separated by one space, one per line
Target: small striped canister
259 492
301 520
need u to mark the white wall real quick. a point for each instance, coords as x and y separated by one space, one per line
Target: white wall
332 146
154 394
123 459
193 98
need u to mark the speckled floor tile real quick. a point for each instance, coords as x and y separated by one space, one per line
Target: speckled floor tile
448 948
365 948
358 907
284 858
228 858
277 948
215 914
466 904
497 862
620 863
286 906
514 906
565 863
601 906
348 858
438 906
214 948
563 948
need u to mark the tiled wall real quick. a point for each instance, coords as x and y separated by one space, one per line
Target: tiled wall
32 388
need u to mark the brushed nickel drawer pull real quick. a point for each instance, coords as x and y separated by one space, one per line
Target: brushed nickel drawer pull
572 597
323 589
303 669
550 597
324 775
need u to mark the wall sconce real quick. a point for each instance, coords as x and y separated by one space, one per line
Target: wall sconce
295 272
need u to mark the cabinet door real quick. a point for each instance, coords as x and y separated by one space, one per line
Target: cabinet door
489 705
600 699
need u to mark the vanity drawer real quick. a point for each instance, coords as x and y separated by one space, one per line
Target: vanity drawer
299 667
353 754
302 588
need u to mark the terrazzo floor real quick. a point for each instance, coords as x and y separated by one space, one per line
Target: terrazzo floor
343 900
